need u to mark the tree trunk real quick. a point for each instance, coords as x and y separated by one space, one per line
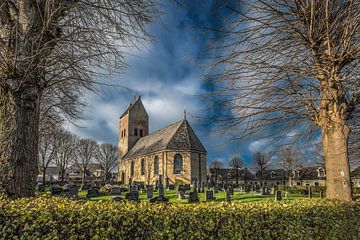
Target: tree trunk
44 176
335 146
19 124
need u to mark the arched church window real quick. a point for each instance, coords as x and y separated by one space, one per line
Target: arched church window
156 165
132 168
135 132
178 163
141 132
142 166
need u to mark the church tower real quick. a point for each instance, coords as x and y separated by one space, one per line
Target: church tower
133 124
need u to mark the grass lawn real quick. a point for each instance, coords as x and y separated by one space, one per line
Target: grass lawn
221 196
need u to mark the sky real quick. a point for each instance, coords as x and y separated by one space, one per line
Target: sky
167 74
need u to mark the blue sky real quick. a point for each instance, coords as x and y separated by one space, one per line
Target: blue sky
167 74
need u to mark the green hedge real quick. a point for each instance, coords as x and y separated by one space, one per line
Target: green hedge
58 218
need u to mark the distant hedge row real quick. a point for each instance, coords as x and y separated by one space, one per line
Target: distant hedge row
58 218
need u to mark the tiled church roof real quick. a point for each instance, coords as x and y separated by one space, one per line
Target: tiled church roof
177 136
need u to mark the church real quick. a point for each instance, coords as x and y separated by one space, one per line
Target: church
173 153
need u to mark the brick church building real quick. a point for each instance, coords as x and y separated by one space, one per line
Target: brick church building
173 152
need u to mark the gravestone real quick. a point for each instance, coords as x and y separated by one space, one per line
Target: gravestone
209 195
195 187
321 194
246 188
187 187
181 195
157 184
181 188
230 190
115 191
55 190
160 197
132 196
193 197
216 189
149 192
41 188
278 195
171 187
199 187
228 196
161 190
167 182
310 193
203 187
72 191
134 188
93 192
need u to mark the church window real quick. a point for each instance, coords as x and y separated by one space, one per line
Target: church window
272 174
142 167
178 163
156 165
135 132
132 168
141 132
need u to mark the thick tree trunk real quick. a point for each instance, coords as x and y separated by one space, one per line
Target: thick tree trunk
19 164
335 146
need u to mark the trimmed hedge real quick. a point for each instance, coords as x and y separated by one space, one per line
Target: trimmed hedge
59 218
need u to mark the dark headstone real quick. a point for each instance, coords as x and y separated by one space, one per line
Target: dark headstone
167 182
321 194
230 190
209 195
161 190
115 191
171 187
278 195
203 187
199 187
93 192
181 195
193 197
149 192
181 188
133 196
134 188
72 191
56 191
41 188
187 187
228 196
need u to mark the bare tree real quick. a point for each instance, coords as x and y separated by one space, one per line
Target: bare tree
216 164
48 147
291 65
107 157
66 153
236 164
290 160
52 51
261 162
85 153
